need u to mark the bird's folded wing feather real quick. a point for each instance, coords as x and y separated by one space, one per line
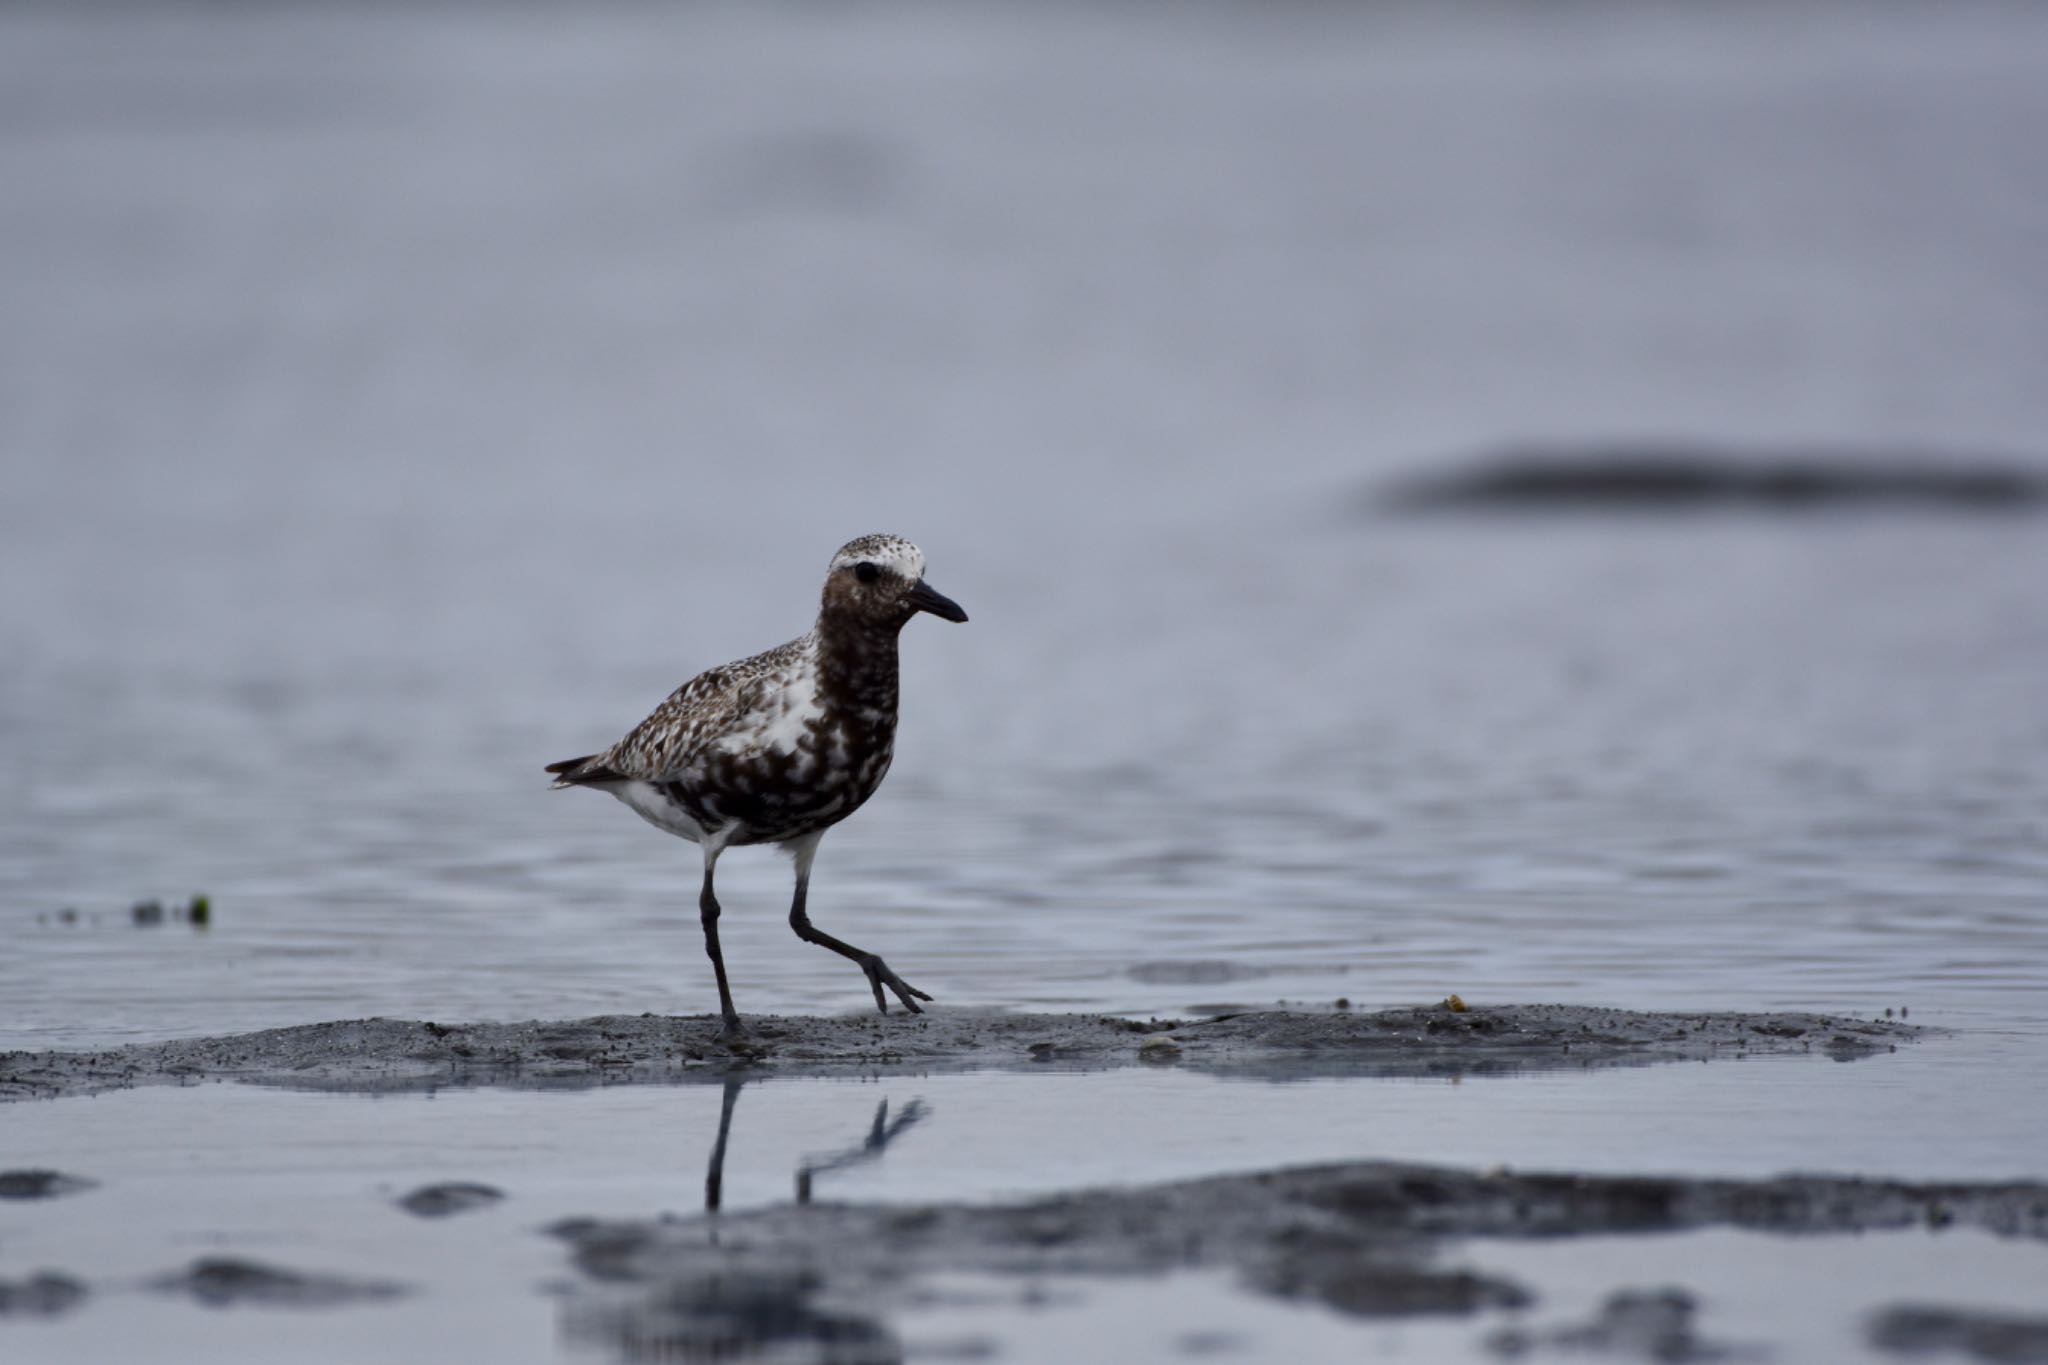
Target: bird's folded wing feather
704 713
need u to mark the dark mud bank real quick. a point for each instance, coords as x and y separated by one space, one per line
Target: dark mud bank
390 1054
1677 477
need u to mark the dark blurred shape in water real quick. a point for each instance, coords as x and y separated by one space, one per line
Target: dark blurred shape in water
40 1184
1197 972
227 1281
1651 477
1367 1239
1919 1329
733 1315
1648 1324
41 1295
198 912
451 1197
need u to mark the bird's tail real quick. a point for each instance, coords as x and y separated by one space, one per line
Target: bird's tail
582 772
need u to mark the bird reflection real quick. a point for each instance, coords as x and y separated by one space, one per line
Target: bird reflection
705 1304
714 1178
882 1131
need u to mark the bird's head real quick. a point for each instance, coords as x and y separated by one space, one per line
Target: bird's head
880 580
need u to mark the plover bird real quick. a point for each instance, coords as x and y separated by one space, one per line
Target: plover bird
778 748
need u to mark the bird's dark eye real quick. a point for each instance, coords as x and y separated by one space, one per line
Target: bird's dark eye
866 572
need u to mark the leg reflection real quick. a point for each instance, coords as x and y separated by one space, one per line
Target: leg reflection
881 1133
714 1179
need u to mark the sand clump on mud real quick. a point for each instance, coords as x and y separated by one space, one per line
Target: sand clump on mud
391 1054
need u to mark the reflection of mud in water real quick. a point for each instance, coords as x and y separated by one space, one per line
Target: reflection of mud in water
225 1281
40 1184
1638 1324
42 1295
1921 1330
1367 1239
450 1197
735 1314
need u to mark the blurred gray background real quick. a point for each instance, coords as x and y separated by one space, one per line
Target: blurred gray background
395 398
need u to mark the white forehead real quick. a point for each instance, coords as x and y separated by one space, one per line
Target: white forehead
891 552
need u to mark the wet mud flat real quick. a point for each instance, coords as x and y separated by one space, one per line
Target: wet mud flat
1444 1249
1447 1039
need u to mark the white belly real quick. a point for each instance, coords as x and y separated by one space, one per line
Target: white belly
657 810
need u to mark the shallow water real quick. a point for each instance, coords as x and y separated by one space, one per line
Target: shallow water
1729 766
393 400
412 446
179 1181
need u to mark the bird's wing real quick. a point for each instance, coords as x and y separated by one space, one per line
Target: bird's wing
706 712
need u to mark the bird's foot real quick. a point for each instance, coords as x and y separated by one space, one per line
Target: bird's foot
879 976
734 1031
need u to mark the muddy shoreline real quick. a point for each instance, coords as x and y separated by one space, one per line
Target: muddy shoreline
401 1055
847 1281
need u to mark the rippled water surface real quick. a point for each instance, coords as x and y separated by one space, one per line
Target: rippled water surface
380 434
394 400
1709 764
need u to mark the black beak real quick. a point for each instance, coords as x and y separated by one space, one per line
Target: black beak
924 598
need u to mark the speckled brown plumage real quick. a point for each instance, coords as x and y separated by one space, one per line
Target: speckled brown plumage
777 748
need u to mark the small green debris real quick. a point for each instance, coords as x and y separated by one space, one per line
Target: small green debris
197 912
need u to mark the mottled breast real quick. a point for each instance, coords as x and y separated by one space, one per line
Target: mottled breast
799 766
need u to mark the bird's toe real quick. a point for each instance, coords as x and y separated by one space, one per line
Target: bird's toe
879 975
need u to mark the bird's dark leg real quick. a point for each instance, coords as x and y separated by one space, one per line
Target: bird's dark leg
878 972
707 910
